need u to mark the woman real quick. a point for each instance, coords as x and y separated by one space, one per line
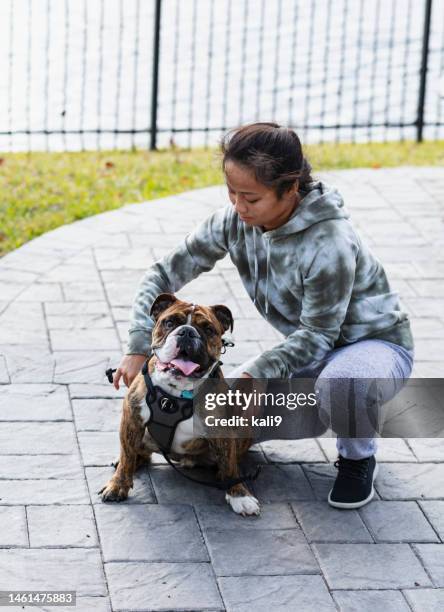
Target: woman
309 274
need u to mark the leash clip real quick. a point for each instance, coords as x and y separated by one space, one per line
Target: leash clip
226 344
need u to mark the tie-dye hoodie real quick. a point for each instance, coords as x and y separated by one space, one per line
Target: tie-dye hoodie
313 279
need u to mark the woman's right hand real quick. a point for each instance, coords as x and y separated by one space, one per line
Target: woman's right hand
128 369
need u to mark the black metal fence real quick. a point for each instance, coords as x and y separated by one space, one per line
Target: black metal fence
103 74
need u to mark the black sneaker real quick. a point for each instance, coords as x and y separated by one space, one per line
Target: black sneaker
353 486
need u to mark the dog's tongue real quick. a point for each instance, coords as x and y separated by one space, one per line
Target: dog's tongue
185 366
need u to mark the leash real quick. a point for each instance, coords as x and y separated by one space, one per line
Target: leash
223 485
167 411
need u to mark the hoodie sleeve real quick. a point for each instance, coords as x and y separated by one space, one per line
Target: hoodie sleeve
327 289
197 253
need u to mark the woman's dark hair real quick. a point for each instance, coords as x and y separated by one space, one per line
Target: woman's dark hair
273 153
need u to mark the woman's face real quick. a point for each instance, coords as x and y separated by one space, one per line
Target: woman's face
255 203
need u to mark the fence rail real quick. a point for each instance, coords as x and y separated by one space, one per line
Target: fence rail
96 74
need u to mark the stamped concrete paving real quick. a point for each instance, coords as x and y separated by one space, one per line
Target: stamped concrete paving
64 305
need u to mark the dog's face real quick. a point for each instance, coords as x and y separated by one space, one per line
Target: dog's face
187 338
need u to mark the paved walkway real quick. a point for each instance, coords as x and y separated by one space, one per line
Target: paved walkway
64 304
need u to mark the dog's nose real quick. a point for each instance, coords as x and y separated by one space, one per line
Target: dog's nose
188 333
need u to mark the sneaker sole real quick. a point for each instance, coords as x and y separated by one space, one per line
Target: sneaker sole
358 504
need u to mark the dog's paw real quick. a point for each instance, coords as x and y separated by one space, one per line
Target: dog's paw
112 492
186 462
246 505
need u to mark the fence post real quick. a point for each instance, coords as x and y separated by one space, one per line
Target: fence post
423 74
155 75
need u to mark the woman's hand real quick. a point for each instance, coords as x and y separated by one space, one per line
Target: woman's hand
128 369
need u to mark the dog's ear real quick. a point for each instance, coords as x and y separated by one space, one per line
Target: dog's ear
161 303
224 316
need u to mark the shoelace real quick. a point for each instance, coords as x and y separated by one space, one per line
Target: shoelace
351 468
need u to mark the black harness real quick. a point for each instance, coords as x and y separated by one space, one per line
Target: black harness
166 412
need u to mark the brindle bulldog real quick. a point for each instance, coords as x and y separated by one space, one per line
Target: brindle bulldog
186 345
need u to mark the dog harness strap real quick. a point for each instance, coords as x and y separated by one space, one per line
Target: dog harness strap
166 412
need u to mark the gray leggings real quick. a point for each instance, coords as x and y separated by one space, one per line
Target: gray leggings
366 359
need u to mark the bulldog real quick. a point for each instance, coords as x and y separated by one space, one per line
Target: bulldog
186 346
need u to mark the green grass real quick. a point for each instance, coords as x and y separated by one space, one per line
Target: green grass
41 191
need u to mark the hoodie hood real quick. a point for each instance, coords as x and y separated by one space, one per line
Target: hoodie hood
320 202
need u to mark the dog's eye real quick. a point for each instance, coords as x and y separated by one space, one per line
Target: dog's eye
209 329
169 324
